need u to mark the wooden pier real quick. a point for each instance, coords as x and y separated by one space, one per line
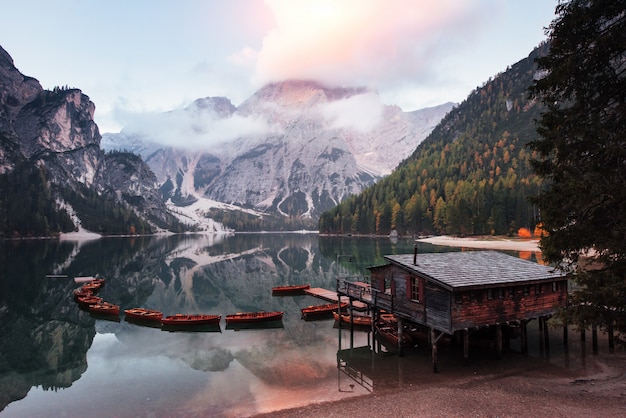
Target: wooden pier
331 296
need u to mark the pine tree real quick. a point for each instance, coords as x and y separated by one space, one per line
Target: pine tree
582 155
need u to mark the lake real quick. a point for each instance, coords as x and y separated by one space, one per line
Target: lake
58 360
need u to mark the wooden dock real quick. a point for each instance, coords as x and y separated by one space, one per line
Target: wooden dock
331 296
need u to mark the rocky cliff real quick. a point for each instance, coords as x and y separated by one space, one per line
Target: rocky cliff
55 132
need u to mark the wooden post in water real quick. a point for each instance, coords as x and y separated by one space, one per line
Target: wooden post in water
466 346
400 335
611 337
524 336
499 341
594 338
433 340
546 335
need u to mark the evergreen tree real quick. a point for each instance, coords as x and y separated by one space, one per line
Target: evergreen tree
582 155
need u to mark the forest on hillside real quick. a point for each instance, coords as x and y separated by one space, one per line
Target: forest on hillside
471 176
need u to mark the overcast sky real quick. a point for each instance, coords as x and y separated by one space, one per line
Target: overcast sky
144 56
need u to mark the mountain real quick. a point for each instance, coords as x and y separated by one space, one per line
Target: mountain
470 176
54 177
291 150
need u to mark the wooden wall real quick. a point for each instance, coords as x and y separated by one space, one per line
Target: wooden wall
448 311
506 304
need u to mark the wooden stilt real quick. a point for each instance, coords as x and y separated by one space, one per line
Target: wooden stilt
400 332
499 341
611 337
524 336
546 335
594 338
565 335
583 337
466 346
542 336
434 350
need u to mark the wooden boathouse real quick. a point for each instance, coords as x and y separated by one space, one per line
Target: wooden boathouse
457 293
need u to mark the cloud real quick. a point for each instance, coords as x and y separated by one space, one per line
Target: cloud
362 112
194 130
362 42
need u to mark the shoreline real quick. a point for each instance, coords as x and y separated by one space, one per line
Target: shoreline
488 243
599 390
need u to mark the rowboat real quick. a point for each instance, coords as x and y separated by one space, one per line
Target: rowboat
389 337
321 310
88 300
105 308
80 292
93 286
191 319
142 314
290 289
361 320
253 317
83 279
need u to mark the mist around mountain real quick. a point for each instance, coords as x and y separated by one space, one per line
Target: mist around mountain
470 176
279 159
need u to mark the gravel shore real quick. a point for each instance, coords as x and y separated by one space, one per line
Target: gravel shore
598 391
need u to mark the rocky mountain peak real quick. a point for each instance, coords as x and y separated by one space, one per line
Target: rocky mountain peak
300 94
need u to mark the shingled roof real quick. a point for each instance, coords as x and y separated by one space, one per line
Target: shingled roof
475 269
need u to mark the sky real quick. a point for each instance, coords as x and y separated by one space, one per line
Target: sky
141 57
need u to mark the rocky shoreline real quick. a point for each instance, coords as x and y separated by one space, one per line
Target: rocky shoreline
597 391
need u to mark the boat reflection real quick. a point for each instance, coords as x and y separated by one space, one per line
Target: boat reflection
252 326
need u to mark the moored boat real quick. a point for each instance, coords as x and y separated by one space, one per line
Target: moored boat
317 311
88 300
93 286
388 335
290 289
143 314
253 317
361 320
80 292
191 319
105 308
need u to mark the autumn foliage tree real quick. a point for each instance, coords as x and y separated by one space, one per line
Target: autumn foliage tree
582 156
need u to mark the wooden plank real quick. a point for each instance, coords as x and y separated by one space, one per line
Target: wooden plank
331 296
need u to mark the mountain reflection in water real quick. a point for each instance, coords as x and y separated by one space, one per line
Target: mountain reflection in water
57 360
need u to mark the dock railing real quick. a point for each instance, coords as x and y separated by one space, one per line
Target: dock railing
356 288
362 291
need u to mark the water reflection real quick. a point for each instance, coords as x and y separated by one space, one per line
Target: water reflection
49 344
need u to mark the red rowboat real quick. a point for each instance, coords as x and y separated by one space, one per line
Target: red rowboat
88 300
105 308
362 320
82 293
142 314
93 286
253 317
193 319
321 310
290 289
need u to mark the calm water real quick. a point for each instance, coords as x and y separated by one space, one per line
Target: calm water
57 360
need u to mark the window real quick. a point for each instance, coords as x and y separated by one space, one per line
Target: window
526 290
500 293
415 289
537 289
458 298
555 287
490 294
511 292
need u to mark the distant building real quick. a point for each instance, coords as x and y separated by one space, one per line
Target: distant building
459 292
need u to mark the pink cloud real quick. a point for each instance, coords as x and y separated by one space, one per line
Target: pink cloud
364 42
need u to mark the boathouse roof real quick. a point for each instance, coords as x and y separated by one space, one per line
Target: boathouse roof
475 269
